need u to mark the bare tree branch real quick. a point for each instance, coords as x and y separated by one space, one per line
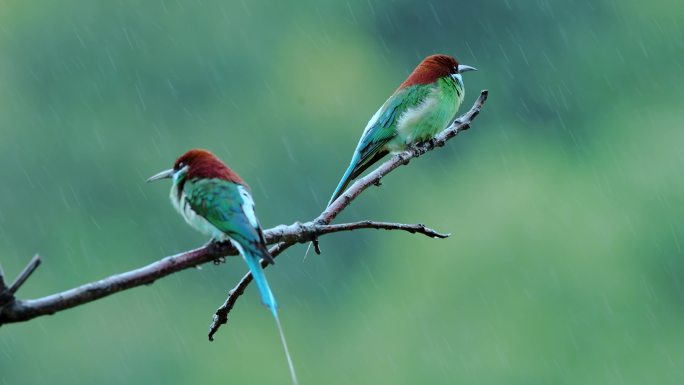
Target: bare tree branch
25 274
221 315
302 232
372 179
4 294
284 236
23 310
7 293
281 237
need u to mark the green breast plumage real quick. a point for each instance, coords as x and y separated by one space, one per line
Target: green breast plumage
430 114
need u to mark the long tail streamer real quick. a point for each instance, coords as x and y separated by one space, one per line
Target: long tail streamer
254 263
293 374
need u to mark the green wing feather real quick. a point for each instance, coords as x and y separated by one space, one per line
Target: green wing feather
221 204
381 130
229 208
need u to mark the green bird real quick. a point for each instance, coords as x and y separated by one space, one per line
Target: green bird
213 199
423 105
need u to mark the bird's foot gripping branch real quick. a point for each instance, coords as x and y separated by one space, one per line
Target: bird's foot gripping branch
280 238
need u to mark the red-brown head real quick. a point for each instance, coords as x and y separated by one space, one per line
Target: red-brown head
198 163
433 68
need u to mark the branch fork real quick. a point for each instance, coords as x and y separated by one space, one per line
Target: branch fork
7 293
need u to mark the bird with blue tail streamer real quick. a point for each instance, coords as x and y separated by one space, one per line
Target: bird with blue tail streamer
213 199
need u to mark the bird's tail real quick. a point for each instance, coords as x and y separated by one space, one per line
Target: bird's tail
253 259
344 182
346 178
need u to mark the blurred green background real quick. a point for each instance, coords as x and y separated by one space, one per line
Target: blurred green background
565 200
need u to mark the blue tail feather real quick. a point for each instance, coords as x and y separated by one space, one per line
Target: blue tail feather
254 263
340 187
345 178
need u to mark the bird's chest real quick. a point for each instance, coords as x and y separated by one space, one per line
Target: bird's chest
180 203
417 121
425 120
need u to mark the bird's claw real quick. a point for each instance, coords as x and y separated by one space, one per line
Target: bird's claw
210 243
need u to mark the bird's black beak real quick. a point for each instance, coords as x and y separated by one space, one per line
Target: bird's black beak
464 68
162 175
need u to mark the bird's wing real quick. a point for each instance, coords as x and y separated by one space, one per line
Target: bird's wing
383 126
379 131
229 207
